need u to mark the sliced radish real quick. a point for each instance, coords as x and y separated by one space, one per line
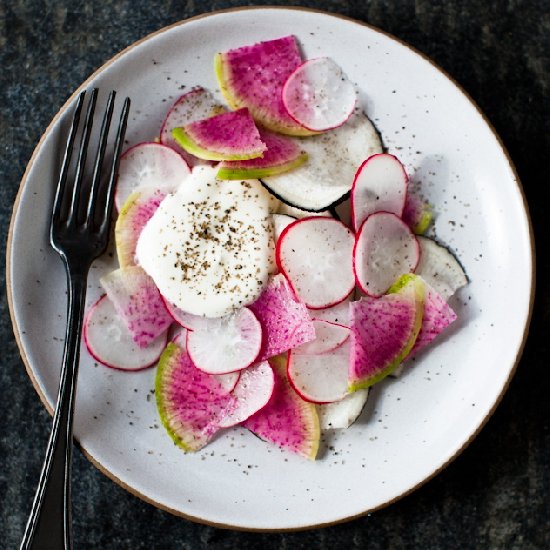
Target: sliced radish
318 95
320 378
188 320
385 248
338 314
298 213
439 268
149 166
252 393
229 344
342 414
109 341
285 321
328 337
196 104
280 222
380 185
315 254
138 302
417 213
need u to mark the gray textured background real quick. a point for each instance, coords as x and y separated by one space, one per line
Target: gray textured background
496 494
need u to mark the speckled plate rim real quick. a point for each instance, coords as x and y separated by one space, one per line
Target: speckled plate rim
84 85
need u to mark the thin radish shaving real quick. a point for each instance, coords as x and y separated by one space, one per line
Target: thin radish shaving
328 337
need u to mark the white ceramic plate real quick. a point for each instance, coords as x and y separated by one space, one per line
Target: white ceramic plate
413 426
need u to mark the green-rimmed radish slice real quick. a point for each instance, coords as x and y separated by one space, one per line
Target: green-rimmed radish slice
282 155
328 337
342 414
315 255
191 403
384 330
134 214
380 185
229 344
197 104
251 393
110 342
318 95
385 248
287 420
439 268
333 158
227 136
149 166
417 214
253 76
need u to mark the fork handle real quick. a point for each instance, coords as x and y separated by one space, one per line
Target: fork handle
52 500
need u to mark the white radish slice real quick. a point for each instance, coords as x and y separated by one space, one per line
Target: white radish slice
328 337
315 254
281 222
439 268
149 166
321 378
342 414
255 387
385 249
318 95
109 341
380 185
230 343
338 314
298 213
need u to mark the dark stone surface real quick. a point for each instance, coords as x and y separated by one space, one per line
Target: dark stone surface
496 494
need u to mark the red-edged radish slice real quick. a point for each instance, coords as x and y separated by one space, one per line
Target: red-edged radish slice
385 248
230 343
328 337
252 393
152 166
380 185
187 320
342 414
196 104
318 95
109 341
315 254
320 378
338 314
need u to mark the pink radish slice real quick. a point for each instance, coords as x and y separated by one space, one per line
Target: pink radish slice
285 321
417 213
138 302
255 387
320 378
134 214
108 340
318 95
195 105
328 337
338 314
151 166
385 248
230 343
315 254
380 185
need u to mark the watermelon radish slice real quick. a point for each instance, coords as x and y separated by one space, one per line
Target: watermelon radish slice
252 393
191 403
227 136
287 420
134 214
229 343
383 331
109 341
318 95
342 414
254 76
282 155
385 248
417 214
338 314
328 337
149 166
380 185
320 378
315 254
327 176
138 302
195 105
285 321
439 268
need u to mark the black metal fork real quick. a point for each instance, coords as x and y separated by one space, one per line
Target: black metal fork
79 232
